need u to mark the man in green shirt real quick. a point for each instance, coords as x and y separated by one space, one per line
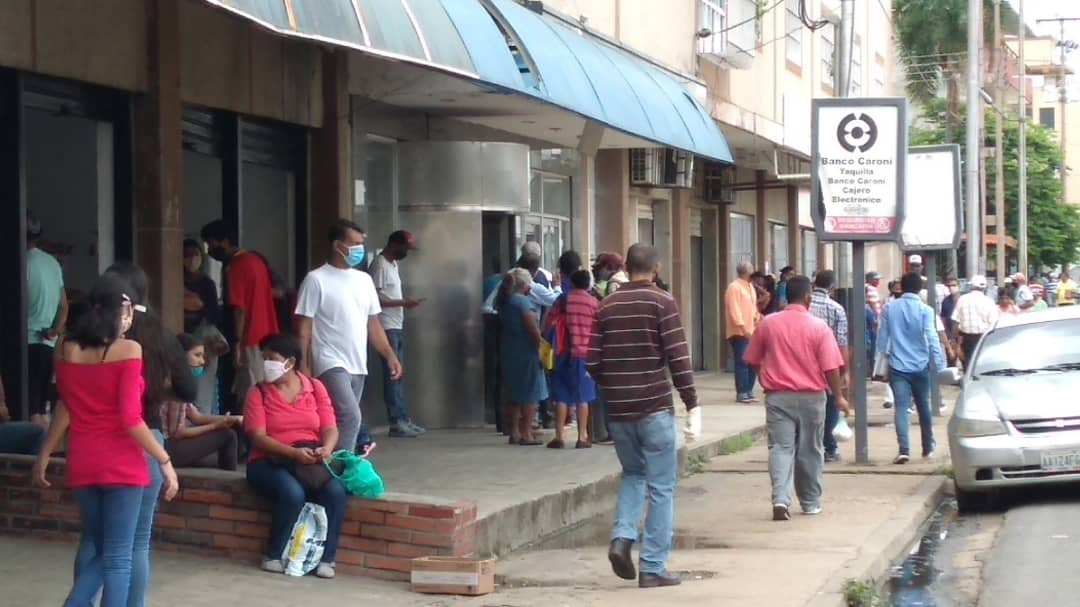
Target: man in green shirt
47 308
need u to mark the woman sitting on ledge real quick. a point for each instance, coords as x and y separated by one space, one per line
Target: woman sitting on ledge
292 427
191 437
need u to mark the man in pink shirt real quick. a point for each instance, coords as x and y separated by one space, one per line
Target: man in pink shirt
798 359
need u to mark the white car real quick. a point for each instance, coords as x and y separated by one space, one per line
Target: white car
1017 421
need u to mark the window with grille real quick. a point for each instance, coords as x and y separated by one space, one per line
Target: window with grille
828 56
742 240
712 16
793 33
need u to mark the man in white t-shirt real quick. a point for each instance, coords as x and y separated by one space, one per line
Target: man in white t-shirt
384 272
338 312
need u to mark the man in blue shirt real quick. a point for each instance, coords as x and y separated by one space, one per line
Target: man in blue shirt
907 334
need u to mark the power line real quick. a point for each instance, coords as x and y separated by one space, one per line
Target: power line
750 19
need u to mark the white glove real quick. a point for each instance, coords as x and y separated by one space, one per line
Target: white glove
693 424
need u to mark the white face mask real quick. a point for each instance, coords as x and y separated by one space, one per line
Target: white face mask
273 370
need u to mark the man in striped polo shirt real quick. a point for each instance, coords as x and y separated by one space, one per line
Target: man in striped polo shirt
639 339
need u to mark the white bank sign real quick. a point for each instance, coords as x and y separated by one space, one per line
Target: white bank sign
860 146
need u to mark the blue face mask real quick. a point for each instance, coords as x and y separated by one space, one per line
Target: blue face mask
198 371
356 255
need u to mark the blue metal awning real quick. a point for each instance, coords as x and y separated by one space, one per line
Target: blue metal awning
509 48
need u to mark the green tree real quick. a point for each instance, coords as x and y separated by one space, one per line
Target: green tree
1053 227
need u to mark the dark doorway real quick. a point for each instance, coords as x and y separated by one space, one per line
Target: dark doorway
697 312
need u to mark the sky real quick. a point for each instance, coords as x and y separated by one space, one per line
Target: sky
1049 9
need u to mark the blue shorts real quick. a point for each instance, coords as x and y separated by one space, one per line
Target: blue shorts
570 382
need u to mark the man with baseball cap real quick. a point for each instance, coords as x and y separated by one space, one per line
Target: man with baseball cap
384 272
975 315
47 308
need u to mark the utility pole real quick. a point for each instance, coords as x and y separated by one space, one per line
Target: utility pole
999 149
974 147
1021 198
1063 96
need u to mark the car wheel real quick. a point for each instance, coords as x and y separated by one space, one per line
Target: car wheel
974 501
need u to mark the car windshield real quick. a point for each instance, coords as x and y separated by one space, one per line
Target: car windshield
1022 348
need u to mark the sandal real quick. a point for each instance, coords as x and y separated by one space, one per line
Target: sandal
583 444
530 442
556 444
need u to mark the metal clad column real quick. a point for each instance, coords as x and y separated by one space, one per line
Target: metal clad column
443 189
13 312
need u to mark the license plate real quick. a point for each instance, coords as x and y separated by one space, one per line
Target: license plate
1059 461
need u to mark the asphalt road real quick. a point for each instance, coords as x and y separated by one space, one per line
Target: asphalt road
1033 561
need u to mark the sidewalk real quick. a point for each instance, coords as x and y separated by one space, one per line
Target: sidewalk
725 540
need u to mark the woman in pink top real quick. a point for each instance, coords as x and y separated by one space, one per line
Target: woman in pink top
99 378
291 423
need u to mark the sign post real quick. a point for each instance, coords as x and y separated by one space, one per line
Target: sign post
859 159
933 217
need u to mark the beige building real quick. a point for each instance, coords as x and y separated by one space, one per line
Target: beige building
1044 65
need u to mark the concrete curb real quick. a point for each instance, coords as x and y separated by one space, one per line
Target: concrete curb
890 541
529 523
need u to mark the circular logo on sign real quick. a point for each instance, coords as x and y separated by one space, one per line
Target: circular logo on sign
857 133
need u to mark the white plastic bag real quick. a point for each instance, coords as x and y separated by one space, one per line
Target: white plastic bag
842 431
305 547
881 367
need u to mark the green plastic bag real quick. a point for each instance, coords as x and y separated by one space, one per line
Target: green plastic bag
357 474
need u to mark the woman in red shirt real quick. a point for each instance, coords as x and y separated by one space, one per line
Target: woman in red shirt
291 423
99 378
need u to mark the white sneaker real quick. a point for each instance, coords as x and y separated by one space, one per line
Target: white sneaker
902 459
273 566
326 571
812 510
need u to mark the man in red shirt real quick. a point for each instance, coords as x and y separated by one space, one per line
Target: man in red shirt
250 311
798 358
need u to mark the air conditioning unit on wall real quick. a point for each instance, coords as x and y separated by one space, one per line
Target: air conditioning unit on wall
719 182
661 168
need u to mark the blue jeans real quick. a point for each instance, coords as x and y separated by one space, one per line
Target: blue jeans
906 387
832 417
394 391
744 373
275 482
140 563
647 450
21 438
109 517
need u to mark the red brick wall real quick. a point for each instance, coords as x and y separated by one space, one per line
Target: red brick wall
217 514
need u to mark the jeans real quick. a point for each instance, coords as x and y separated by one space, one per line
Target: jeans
795 422
144 523
346 391
394 391
21 438
832 417
275 482
647 450
907 387
744 373
39 380
109 517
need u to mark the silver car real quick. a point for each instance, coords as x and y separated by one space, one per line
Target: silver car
1017 421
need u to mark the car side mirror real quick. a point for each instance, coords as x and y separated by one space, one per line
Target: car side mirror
951 376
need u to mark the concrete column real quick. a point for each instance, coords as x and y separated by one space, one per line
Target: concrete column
331 162
761 223
794 230
159 175
585 195
615 215
681 276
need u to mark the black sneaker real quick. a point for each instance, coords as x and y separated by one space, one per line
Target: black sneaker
780 513
658 580
831 458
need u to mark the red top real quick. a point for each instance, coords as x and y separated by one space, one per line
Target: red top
251 290
794 350
104 402
302 420
581 311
